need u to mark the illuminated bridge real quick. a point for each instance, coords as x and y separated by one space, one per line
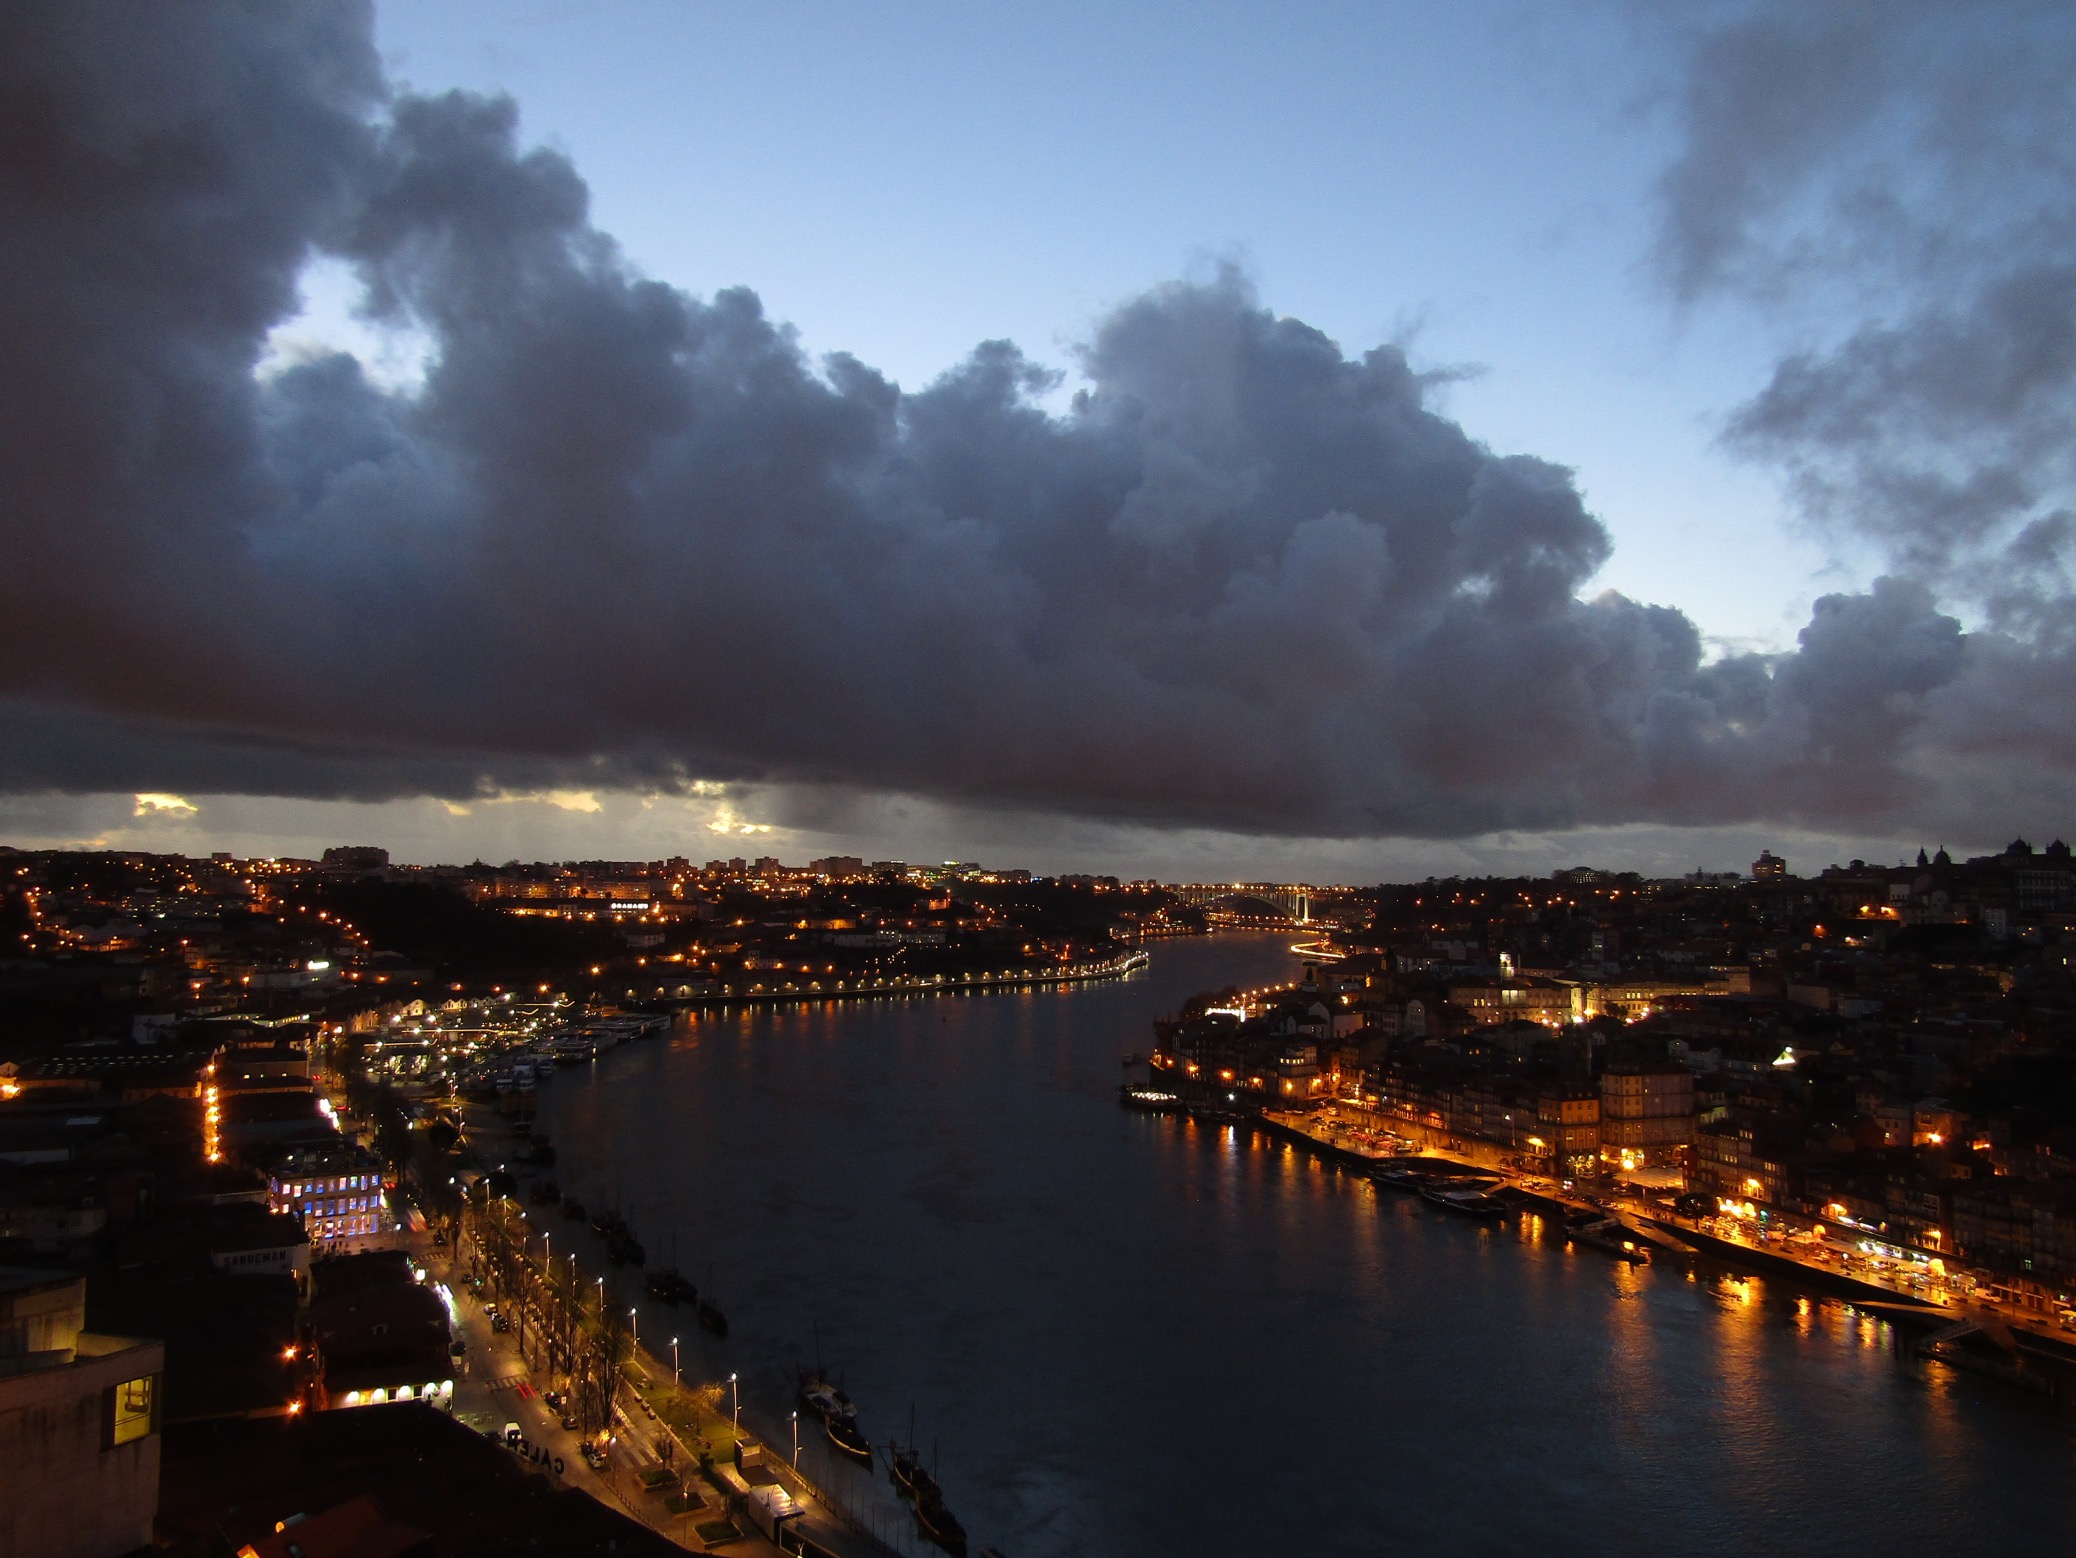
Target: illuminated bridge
1249 900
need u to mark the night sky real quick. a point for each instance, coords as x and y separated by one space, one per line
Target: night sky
358 484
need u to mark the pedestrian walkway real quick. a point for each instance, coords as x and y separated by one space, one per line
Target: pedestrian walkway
497 1390
668 1445
693 1422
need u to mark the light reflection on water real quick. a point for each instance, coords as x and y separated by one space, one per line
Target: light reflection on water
1145 1336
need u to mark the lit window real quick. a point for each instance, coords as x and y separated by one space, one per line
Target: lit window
133 1409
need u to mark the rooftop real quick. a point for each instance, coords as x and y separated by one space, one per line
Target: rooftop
230 1481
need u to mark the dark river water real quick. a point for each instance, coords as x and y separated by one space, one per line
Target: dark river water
1137 1336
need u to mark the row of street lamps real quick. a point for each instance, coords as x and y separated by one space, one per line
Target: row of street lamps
634 1318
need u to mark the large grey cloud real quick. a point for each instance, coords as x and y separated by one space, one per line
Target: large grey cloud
1896 184
1245 581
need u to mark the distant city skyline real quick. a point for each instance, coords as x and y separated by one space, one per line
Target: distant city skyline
623 828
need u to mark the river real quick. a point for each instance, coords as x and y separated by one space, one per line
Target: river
1136 1336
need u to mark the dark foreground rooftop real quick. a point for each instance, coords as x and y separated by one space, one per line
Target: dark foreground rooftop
227 1483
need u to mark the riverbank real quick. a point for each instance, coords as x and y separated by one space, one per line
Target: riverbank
1950 1329
791 992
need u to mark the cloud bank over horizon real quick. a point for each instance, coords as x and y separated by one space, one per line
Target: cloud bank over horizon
623 539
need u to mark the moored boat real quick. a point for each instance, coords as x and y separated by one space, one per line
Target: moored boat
839 1414
668 1284
1148 1100
1479 1203
824 1399
1605 1233
845 1434
905 1465
939 1524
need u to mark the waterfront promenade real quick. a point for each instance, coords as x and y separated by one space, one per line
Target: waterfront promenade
671 1447
672 1452
1944 1306
791 991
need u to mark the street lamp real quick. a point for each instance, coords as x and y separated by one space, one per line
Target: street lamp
674 1360
796 1441
635 1320
735 1390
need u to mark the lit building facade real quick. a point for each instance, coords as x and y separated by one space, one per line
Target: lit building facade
1646 1116
338 1194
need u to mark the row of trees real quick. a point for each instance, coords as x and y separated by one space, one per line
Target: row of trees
561 1321
564 1323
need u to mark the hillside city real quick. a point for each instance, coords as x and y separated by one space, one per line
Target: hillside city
267 1142
1869 1068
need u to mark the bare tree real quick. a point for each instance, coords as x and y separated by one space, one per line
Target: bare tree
607 1351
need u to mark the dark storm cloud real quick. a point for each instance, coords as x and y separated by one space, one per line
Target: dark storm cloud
84 752
623 534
